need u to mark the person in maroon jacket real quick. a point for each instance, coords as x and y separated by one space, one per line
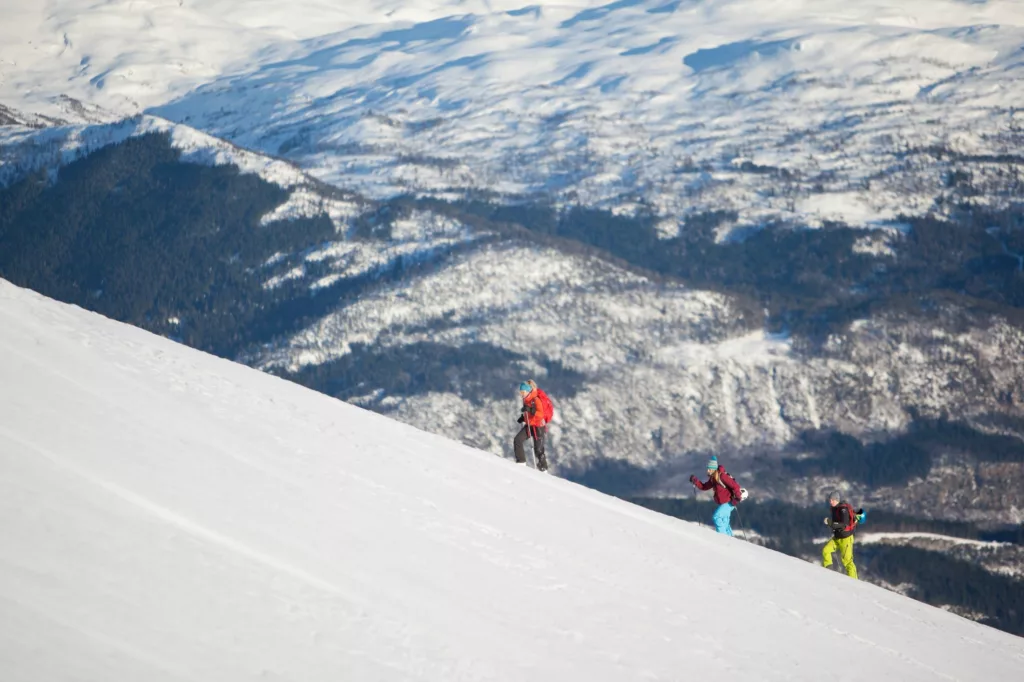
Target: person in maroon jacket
726 490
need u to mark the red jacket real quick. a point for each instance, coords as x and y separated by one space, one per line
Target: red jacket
724 489
534 411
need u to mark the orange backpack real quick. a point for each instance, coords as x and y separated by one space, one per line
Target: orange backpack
547 410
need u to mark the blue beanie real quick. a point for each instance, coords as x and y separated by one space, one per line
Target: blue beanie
713 463
525 387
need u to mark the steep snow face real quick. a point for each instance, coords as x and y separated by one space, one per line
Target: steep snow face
172 516
805 109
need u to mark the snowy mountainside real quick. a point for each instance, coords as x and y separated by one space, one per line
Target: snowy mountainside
434 316
450 313
27 149
550 312
653 375
194 519
790 111
800 110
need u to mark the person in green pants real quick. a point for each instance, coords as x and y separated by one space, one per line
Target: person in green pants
842 522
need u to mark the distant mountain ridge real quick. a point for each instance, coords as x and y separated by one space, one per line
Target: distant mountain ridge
798 112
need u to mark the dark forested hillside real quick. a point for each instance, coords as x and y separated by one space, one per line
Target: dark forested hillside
133 233
902 457
812 282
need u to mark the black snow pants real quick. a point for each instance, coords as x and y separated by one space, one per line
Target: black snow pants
539 433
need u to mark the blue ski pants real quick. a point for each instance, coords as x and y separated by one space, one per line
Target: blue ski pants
721 518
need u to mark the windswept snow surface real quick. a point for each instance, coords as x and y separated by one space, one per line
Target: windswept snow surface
171 516
800 109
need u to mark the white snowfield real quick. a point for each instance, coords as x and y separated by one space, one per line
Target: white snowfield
167 515
798 109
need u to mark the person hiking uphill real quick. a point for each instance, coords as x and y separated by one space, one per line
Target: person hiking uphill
841 522
726 490
536 415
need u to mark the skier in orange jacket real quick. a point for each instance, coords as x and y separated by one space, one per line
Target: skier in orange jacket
536 415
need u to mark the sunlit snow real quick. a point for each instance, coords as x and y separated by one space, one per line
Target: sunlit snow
808 110
171 516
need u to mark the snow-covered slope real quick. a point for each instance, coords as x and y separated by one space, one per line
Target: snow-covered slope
646 373
172 516
805 109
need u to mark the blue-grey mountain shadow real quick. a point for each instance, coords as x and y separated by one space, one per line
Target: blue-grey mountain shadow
724 55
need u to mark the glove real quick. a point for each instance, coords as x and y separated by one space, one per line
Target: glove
693 480
522 418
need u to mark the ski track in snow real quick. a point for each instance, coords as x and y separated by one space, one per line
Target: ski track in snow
172 516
